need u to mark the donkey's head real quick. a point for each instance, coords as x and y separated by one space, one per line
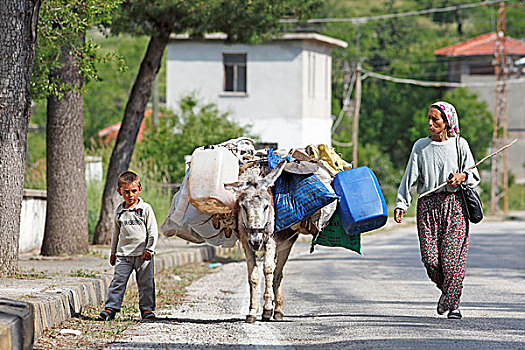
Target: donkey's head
255 204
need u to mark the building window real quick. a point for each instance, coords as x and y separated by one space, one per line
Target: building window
234 72
481 69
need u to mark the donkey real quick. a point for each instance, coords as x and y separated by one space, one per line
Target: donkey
255 230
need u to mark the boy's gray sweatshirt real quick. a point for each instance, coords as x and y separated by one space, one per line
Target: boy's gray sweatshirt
135 230
430 164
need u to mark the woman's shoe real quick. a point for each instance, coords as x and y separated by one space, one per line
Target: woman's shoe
441 309
454 314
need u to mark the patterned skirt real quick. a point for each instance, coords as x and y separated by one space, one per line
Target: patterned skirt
443 229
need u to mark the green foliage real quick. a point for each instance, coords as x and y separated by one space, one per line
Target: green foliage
106 98
516 195
178 134
62 26
242 20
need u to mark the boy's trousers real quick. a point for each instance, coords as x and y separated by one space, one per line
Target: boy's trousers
144 271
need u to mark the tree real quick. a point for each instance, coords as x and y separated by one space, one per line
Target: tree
66 230
239 19
18 33
65 60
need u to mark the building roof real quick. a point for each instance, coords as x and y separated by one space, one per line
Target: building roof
110 133
324 39
482 45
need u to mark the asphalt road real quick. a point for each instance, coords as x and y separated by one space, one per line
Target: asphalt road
336 299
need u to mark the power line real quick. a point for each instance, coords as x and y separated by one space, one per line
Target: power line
361 20
438 83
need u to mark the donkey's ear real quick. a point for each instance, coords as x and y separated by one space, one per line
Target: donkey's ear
273 175
236 186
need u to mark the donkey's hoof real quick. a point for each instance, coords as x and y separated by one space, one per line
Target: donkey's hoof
267 315
278 316
250 319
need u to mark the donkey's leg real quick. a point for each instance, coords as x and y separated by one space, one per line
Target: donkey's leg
253 279
282 257
269 268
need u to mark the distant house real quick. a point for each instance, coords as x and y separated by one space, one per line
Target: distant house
110 133
471 61
282 88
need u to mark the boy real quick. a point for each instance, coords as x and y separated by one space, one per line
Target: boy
132 246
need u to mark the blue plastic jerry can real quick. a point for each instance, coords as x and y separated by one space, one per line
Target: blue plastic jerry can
362 205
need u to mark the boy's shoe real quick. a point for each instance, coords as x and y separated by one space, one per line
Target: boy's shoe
108 314
148 315
441 307
454 314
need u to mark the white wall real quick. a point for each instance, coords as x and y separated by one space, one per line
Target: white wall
276 104
316 114
32 221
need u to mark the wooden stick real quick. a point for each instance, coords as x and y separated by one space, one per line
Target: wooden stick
472 167
492 154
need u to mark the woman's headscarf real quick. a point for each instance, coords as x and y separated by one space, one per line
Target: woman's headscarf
451 114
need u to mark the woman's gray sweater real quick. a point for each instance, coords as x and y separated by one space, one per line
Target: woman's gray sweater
430 164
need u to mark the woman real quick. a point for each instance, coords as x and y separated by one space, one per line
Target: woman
442 222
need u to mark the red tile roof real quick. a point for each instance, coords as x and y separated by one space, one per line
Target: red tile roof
110 133
482 45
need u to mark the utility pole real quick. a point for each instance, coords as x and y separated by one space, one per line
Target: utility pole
355 128
347 72
499 168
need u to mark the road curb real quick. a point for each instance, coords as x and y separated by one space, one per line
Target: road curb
16 325
19 328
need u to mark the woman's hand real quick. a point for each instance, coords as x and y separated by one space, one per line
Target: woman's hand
454 179
398 215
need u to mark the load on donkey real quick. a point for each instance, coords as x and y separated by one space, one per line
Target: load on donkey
265 199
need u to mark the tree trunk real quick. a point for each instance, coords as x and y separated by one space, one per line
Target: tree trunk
18 20
127 136
66 229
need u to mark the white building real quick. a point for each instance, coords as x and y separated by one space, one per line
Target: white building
281 88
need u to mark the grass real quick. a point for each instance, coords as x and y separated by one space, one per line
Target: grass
83 273
96 334
31 274
516 196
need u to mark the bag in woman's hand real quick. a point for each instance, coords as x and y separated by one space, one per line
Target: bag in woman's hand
470 196
473 204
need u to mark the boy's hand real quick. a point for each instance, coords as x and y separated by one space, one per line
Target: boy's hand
112 260
146 255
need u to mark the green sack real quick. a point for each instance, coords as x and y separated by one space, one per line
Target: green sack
334 235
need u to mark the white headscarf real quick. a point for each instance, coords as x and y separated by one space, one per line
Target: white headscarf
451 114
